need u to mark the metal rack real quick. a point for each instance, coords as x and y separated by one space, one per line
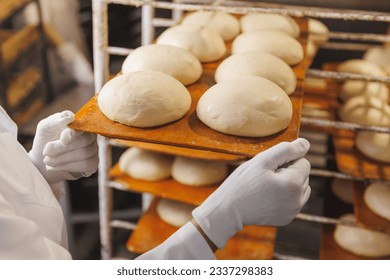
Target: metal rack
102 50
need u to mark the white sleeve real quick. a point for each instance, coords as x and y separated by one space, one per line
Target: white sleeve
185 244
22 239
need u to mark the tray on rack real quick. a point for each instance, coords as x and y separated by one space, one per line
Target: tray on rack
168 188
189 131
251 243
365 215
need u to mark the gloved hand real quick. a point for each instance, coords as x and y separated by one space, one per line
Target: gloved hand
61 153
270 189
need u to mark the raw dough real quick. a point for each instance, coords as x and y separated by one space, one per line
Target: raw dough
198 172
144 99
360 66
318 31
374 145
225 24
145 165
343 189
203 42
365 111
246 106
175 213
360 241
377 198
257 21
257 63
379 56
274 42
186 67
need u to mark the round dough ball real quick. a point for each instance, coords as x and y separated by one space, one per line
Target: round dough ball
318 31
175 213
246 106
274 42
377 198
355 88
224 24
186 67
374 145
145 165
144 99
257 21
365 110
203 42
379 56
257 63
360 241
198 172
343 189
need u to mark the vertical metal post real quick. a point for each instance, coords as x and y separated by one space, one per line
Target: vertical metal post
177 14
101 71
148 30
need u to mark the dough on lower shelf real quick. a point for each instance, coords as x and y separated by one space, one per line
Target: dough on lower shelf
343 189
146 165
144 99
274 42
377 198
186 67
198 172
374 145
247 106
258 63
203 42
360 241
225 24
175 213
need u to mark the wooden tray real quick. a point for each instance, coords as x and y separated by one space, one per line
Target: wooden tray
350 161
331 251
365 215
189 131
168 188
251 243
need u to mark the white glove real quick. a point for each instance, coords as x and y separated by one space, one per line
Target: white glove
270 189
61 153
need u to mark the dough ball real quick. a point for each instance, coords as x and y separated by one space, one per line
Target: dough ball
311 48
355 88
175 213
144 99
365 111
377 198
360 241
257 63
272 22
379 56
343 189
318 31
246 106
198 172
360 66
203 42
374 145
274 42
145 165
224 24
186 67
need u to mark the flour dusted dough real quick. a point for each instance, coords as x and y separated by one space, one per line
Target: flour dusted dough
257 63
144 99
365 111
257 21
173 212
247 106
198 172
176 62
374 145
343 189
360 241
145 165
377 198
224 24
274 42
203 42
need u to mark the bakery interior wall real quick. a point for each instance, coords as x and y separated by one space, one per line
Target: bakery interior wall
81 203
